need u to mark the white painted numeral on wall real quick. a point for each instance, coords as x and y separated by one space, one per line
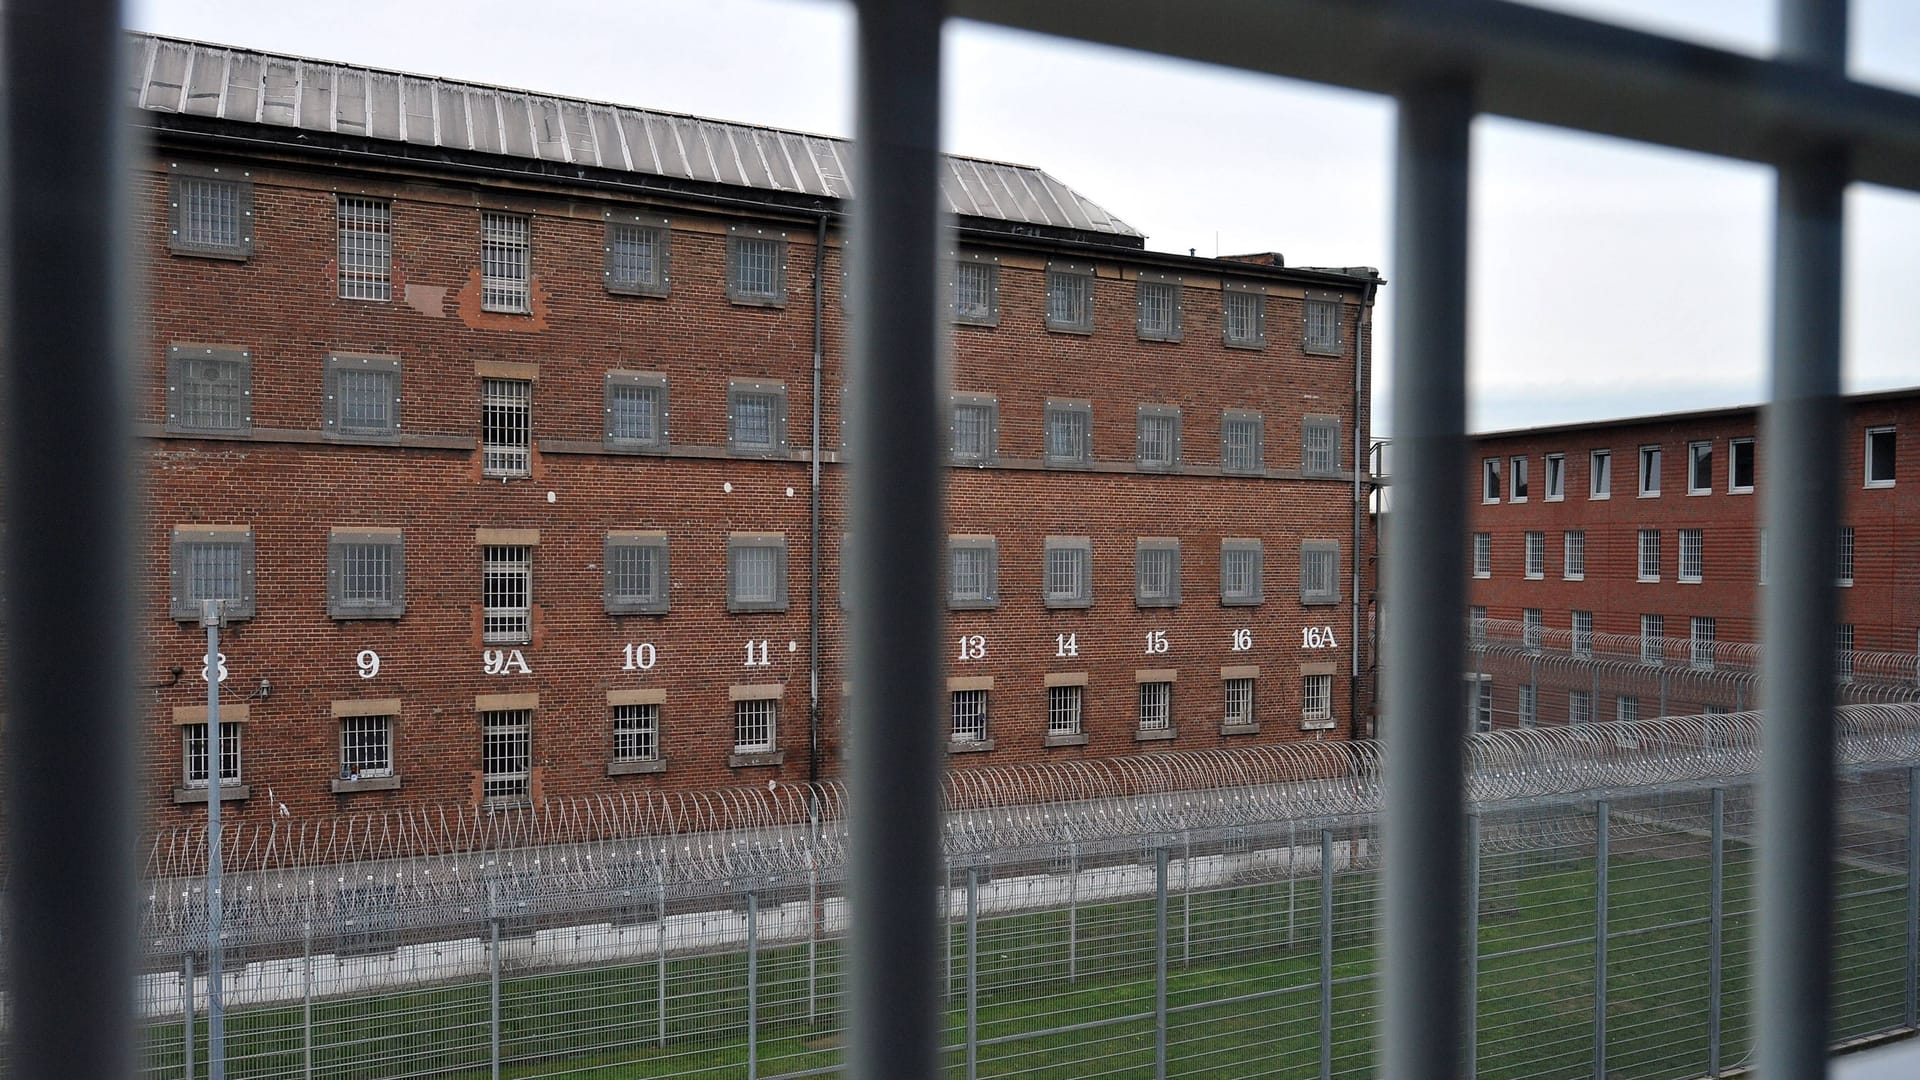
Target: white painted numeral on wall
504 662
973 647
640 657
219 665
1066 645
1318 637
757 654
368 662
1156 641
1242 640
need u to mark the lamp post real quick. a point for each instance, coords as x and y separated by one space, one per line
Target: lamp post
210 617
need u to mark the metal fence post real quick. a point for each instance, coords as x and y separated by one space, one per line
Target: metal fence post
1471 1032
1600 940
1913 898
973 972
1663 683
493 983
1293 850
306 997
186 1005
1186 898
1160 963
1716 915
753 984
813 936
1326 954
1073 912
660 959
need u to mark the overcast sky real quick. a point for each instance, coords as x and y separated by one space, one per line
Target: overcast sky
1608 279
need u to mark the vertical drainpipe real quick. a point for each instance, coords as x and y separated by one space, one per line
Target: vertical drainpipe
1359 502
813 508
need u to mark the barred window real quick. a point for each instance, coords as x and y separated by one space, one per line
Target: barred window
976 291
506 756
506 427
1320 572
211 215
1243 317
366 248
1579 707
1582 626
969 716
636 578
1158 304
1322 332
1482 703
1156 573
1573 560
1156 706
1482 554
1242 438
972 572
212 563
1319 445
363 396
209 390
1529 705
1063 709
1653 632
1843 650
1070 297
193 753
1536 554
366 747
756 269
1238 703
1702 642
636 411
1626 707
1649 554
975 428
1533 627
1691 554
506 594
1477 623
1240 572
1316 701
1068 572
1843 556
756 572
753 725
757 417
636 732
1158 445
636 254
506 268
366 574
1069 433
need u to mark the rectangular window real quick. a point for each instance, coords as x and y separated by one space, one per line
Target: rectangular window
1069 432
1238 712
1653 632
1158 304
635 407
973 572
1556 477
636 732
635 579
1600 474
1321 333
1529 705
1068 572
1063 710
756 572
1692 555
1626 707
1649 555
193 752
366 574
1477 623
212 564
1702 642
1843 556
753 725
1740 466
1533 628
1581 623
506 427
366 747
1579 707
506 756
1316 702
1240 572
1242 439
1843 651
1649 471
969 716
1573 555
1490 480
1158 443
637 254
1700 468
1243 316
1482 555
974 429
976 290
756 417
1320 572
506 266
1536 555
209 390
1070 296
1482 702
1156 706
1156 573
366 248
1880 457
363 397
1518 480
1319 445
211 214
506 594
757 267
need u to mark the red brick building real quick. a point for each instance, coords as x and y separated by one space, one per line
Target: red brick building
1640 539
508 429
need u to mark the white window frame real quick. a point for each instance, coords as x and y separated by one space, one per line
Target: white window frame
1533 628
506 757
357 735
1844 553
1573 555
969 716
636 731
1527 705
1843 652
506 263
1482 555
1518 487
193 752
1700 459
1649 472
1579 707
1647 552
1599 474
1580 631
1490 481
1536 553
506 427
1239 704
364 269
1066 710
1700 637
1872 459
1653 641
506 574
1156 706
1693 557
1316 702
756 725
1734 450
1556 478
1626 708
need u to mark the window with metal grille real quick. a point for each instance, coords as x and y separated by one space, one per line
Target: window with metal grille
1740 466
1556 477
637 254
1237 703
1653 631
1626 707
1068 572
1320 572
1536 554
1529 705
636 732
1692 555
193 752
1322 331
209 390
753 725
1156 573
1063 709
366 747
1701 639
1158 304
1489 480
1240 572
975 433
1533 628
1156 706
1649 554
1316 701
1880 448
211 215
1243 316
366 574
635 404
1319 445
976 291
1843 651
366 248
1842 557
1477 623
1518 480
973 570
1700 468
1069 432
1600 474
757 269
506 594
1649 471
1579 707
506 427
756 572
1158 445
636 579
1070 297
212 564
506 266
363 397
757 417
969 716
506 756
1481 701
1581 623
1242 438
1482 555
1573 555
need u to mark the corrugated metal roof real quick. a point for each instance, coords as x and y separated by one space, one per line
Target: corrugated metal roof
171 75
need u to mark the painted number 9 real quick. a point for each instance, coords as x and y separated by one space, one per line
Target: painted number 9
368 662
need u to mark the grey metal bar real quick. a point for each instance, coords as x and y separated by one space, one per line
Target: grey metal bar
493 989
1800 428
1160 963
1471 996
1526 63
973 973
1423 594
70 616
896 487
1716 915
813 939
186 964
660 960
1073 912
1600 940
1326 954
306 998
1913 898
753 985
216 900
